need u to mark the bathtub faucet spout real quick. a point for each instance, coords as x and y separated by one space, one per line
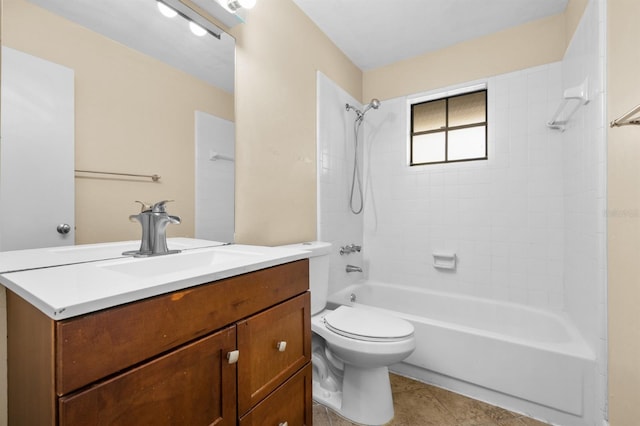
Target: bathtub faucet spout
352 268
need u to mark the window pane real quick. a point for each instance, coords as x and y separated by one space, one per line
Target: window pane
428 148
429 116
467 109
467 143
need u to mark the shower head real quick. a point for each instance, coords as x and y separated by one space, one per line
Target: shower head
375 104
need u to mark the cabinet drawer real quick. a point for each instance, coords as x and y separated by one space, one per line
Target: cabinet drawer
262 366
193 385
290 404
102 343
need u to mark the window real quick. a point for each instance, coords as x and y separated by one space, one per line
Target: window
449 129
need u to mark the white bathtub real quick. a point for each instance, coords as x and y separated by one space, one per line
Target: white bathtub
509 349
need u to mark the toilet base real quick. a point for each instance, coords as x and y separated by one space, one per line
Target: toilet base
365 396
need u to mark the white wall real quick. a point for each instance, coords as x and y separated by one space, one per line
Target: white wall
584 171
215 178
336 223
503 217
584 174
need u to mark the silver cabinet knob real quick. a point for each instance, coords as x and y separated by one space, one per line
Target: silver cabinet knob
281 346
232 357
284 424
63 228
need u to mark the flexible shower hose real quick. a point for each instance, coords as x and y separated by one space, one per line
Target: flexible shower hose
356 175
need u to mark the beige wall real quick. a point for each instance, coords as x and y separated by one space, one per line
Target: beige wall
623 214
278 53
493 54
535 43
134 114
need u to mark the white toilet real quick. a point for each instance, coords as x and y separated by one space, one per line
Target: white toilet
352 349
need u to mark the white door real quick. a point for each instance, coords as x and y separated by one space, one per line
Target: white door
36 152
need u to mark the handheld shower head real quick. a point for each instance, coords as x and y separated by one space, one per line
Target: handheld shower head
375 104
355 180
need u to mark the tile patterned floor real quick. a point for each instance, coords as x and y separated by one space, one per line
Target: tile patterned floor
419 404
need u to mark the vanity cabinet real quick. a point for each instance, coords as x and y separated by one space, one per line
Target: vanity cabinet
169 359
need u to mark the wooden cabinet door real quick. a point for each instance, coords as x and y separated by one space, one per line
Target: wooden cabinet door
264 363
192 385
290 404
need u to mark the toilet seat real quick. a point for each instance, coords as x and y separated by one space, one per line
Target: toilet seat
360 324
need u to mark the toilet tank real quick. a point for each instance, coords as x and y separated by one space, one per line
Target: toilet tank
318 272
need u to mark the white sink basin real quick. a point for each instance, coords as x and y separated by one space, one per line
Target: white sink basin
209 258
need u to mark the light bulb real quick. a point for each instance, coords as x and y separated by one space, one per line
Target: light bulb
197 29
241 4
166 10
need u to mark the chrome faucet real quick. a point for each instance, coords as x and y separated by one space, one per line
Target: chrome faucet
159 221
144 217
352 268
154 220
350 248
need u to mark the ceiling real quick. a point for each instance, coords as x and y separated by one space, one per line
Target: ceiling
374 33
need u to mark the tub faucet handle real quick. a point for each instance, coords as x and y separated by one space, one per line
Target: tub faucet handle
350 248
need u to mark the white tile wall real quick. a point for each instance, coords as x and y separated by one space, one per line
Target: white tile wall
503 217
584 173
336 223
215 180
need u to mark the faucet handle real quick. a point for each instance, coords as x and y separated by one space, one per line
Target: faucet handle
159 207
144 206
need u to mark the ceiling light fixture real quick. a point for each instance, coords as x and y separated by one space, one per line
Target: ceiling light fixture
199 24
234 5
219 10
166 10
197 29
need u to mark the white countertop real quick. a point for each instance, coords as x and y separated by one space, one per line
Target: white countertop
18 260
79 287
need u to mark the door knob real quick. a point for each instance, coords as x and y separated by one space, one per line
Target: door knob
63 228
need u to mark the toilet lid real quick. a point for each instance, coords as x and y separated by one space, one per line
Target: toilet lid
362 324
